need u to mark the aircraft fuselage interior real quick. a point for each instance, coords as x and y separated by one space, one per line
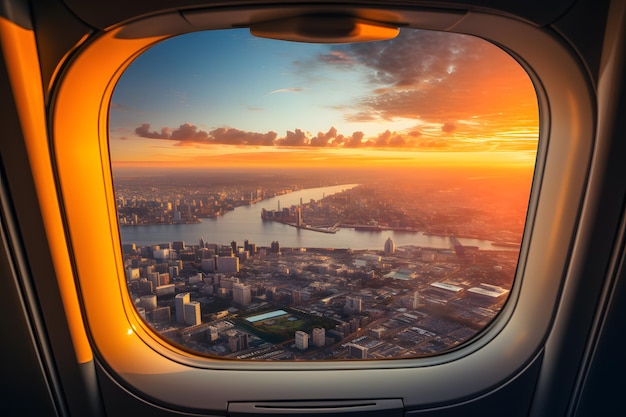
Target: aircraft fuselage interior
96 323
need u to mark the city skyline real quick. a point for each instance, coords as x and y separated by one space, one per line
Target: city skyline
227 99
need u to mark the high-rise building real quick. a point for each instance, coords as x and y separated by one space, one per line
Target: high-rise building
242 294
212 333
228 282
416 300
161 315
302 340
296 297
228 264
353 305
354 324
344 328
153 277
179 302
196 278
234 344
161 254
132 274
193 316
238 342
208 265
275 247
299 215
252 248
225 250
164 279
149 302
163 290
319 336
357 351
244 341
173 271
390 246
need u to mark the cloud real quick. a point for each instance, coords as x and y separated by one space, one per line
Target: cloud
438 78
429 136
286 90
239 137
448 127
144 132
336 57
189 134
356 140
295 138
413 58
323 139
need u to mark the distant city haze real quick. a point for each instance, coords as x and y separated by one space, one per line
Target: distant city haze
244 223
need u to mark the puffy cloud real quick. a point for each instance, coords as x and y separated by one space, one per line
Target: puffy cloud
144 132
390 139
323 139
188 133
239 137
356 141
295 138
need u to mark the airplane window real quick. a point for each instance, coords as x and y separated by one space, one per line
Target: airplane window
294 201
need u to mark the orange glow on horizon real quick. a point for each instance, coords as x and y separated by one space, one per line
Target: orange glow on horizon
333 158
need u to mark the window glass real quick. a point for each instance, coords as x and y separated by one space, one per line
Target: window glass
292 201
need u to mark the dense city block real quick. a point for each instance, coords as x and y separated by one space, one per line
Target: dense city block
263 300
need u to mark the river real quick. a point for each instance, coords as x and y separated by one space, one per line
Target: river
245 223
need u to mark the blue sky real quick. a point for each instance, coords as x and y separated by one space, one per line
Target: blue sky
421 91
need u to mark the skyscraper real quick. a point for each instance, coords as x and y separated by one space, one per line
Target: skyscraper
179 301
275 247
302 340
296 297
390 246
353 305
319 336
242 294
416 300
192 313
299 216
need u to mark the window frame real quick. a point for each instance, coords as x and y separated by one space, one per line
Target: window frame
151 367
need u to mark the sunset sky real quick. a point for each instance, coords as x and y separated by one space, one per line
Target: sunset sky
227 99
